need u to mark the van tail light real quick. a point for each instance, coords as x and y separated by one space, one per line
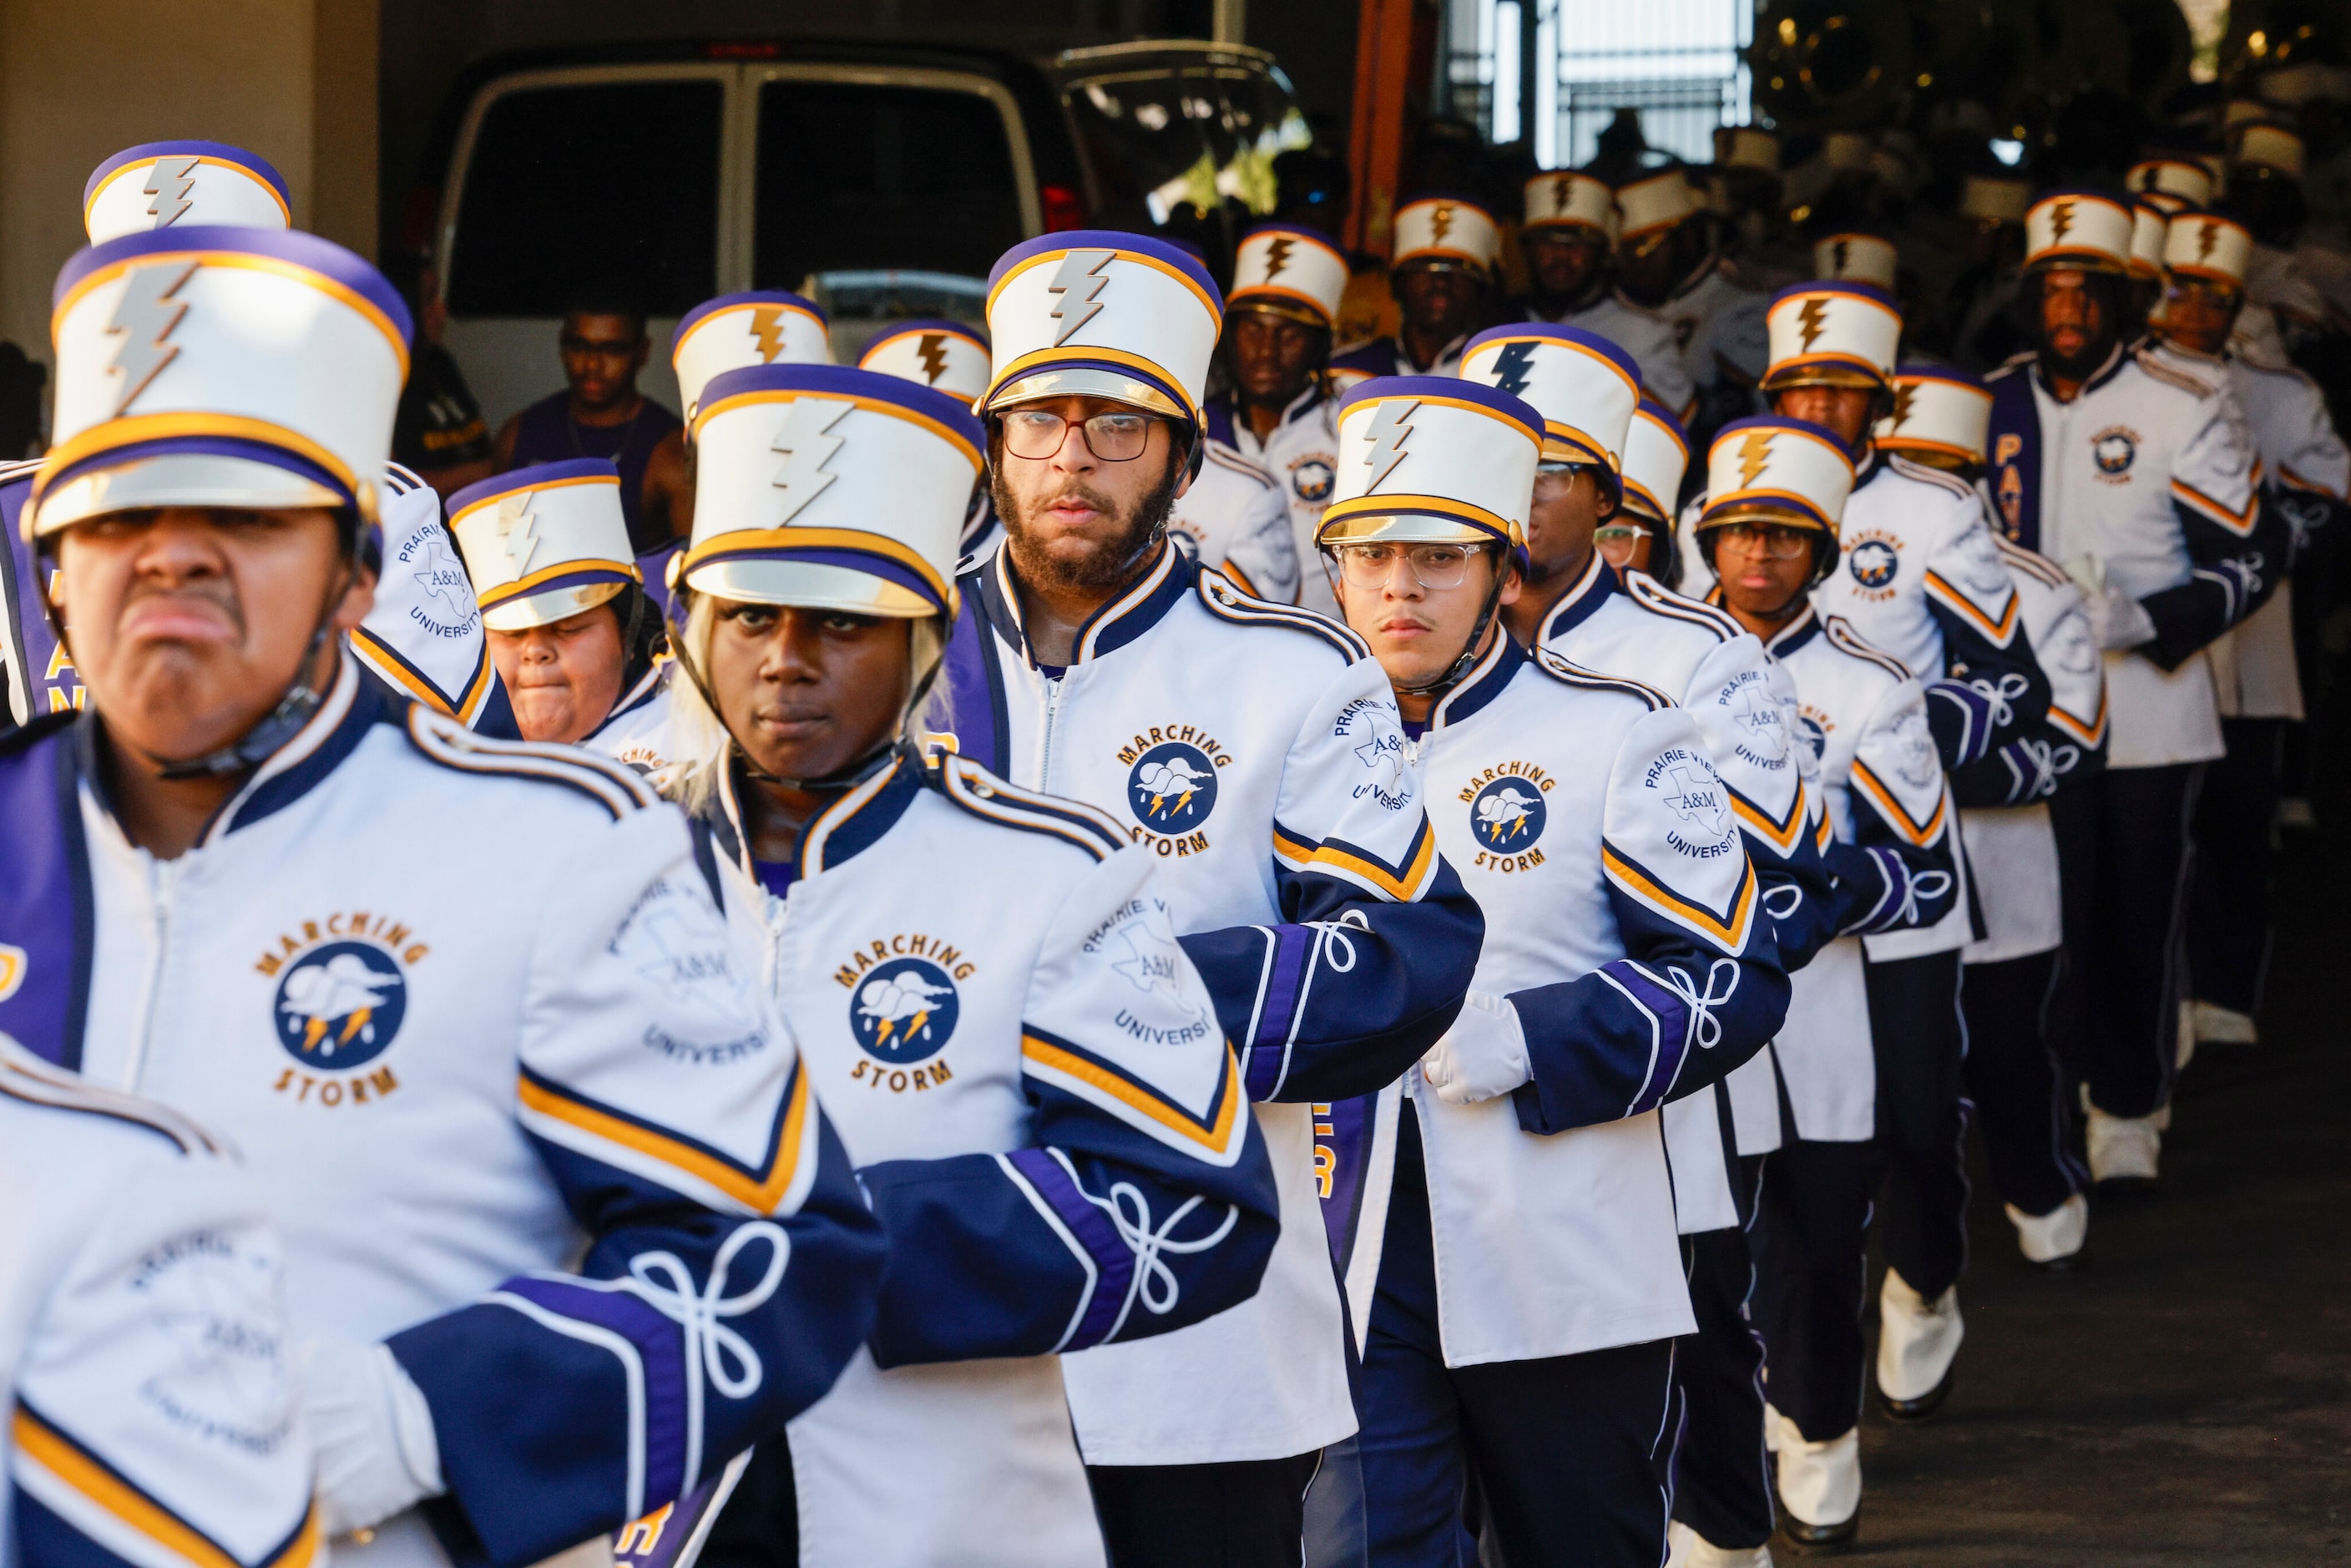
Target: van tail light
1064 208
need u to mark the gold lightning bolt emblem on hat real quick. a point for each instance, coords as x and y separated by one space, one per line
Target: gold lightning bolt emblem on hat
1754 455
2207 237
1811 319
931 348
1563 189
2061 218
1440 221
1904 396
768 331
1277 256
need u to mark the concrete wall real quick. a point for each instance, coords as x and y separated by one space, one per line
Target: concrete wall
294 81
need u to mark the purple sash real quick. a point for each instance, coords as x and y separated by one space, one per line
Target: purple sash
44 894
1343 1164
31 648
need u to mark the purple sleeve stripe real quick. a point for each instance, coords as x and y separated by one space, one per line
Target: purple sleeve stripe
1898 881
1672 1015
1975 711
1277 1013
1113 1263
659 1350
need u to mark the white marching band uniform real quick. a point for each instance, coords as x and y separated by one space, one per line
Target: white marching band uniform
1448 230
486 974
145 1370
1563 199
1027 1072
1718 325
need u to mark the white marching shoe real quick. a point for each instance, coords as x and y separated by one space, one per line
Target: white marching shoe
1820 1483
2053 1240
2125 1148
1917 1341
2224 1026
1689 1549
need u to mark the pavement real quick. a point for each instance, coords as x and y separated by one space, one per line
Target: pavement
2186 1396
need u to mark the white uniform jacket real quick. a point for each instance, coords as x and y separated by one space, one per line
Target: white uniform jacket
424 638
1647 337
144 1364
1889 837
1719 327
1625 929
2145 481
1744 707
1234 518
482 1034
2004 812
1029 1074
1303 455
1389 356
637 730
1255 751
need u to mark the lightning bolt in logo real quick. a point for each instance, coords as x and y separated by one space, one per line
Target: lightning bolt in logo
1562 191
2061 218
171 189
1277 256
2205 238
1812 318
1514 366
1754 456
802 438
1440 221
519 531
768 331
145 316
1904 396
1389 428
932 349
1079 282
1838 251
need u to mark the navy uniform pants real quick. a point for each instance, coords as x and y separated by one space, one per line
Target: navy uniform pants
2134 826
2015 1079
1570 1453
1722 1473
2229 913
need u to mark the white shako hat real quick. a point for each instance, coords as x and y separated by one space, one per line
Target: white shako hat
1438 227
1653 202
1939 414
1100 313
2147 218
1747 147
736 331
1584 386
1290 271
2205 245
219 367
1831 334
2078 228
1994 198
949 355
1775 469
1657 455
1434 459
1856 259
544 542
2271 147
186 185
2181 177
1565 199
831 488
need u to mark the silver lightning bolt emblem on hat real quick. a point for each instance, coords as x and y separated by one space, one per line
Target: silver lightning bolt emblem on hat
170 186
802 439
519 531
145 316
1389 428
1079 282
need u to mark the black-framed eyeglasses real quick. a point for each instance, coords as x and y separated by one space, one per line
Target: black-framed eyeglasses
1773 542
1037 433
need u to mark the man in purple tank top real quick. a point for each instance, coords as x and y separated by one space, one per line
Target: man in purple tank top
601 414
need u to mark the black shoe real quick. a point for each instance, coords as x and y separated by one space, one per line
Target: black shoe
1818 1539
1911 1411
2073 1262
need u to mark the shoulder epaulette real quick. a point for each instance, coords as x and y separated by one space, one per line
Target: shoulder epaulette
2010 366
1227 602
1926 474
1567 671
614 784
402 480
1225 457
2031 563
1657 599
1841 634
2172 375
27 1078
995 799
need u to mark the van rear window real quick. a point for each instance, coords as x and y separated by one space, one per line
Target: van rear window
856 175
613 182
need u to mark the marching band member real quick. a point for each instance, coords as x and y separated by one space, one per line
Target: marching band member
475 991
2011 990
1768 528
953 357
144 1363
1287 282
985 984
1657 455
1670 268
2306 473
1254 749
1447 251
2138 479
579 646
1862 258
1627 963
1574 604
1569 229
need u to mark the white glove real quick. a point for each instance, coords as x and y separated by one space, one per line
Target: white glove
370 1434
2118 621
1483 1055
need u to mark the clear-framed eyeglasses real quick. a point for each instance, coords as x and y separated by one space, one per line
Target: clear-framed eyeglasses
1037 433
1773 542
1372 563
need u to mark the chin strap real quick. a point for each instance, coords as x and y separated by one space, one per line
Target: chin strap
1460 667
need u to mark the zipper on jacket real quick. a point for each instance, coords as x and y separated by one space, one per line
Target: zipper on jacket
1052 711
162 881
